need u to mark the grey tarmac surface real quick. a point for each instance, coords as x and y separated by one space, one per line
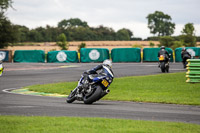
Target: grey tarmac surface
17 75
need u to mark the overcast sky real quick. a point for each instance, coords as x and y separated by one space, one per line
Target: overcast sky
116 14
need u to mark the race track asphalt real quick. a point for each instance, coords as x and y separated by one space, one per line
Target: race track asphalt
17 75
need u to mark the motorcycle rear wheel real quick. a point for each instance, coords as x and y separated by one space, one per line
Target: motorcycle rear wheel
94 96
162 66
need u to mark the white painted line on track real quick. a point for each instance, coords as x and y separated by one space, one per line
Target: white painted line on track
10 91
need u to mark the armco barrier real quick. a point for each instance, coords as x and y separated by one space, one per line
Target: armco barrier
194 51
29 56
62 56
151 54
6 55
193 71
94 54
126 55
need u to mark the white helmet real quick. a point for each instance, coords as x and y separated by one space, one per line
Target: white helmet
107 62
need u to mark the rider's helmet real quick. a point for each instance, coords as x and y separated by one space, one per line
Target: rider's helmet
162 47
107 62
183 49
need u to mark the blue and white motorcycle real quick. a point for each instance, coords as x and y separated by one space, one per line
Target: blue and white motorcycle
92 90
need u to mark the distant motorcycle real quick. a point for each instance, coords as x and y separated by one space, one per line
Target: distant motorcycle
90 92
185 62
164 63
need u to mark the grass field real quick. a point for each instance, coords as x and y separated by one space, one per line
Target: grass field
162 88
23 124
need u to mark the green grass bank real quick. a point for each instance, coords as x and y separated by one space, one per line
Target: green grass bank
168 88
24 124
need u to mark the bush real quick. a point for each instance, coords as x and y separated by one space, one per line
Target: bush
188 40
177 44
151 44
61 42
82 45
166 41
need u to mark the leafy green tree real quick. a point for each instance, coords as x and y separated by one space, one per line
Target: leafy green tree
7 33
22 33
123 34
177 44
5 4
7 30
170 42
188 40
188 29
103 33
160 23
61 42
35 36
73 22
166 41
188 36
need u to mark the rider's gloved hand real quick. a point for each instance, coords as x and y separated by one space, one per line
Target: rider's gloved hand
86 72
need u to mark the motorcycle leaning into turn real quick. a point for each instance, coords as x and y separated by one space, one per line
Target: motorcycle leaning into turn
92 87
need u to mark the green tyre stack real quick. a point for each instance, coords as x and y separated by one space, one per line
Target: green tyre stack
93 54
193 71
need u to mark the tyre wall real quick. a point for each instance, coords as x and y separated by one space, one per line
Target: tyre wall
29 56
126 55
151 54
62 56
94 54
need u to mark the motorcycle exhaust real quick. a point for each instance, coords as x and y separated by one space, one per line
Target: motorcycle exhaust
105 93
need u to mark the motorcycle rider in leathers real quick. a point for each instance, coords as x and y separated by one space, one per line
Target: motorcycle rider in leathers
185 55
163 52
103 71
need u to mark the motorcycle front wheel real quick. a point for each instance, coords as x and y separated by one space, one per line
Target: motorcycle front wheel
71 98
94 95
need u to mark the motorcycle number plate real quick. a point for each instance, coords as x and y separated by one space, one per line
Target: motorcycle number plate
105 83
161 58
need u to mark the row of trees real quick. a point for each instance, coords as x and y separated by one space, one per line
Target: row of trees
75 29
75 32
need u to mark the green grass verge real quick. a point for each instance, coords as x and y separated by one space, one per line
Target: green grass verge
162 88
24 124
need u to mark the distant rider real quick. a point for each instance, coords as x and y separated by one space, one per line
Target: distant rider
185 55
165 53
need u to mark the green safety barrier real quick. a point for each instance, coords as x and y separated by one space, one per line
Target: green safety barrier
62 56
5 55
94 54
29 56
151 54
126 55
194 51
193 71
